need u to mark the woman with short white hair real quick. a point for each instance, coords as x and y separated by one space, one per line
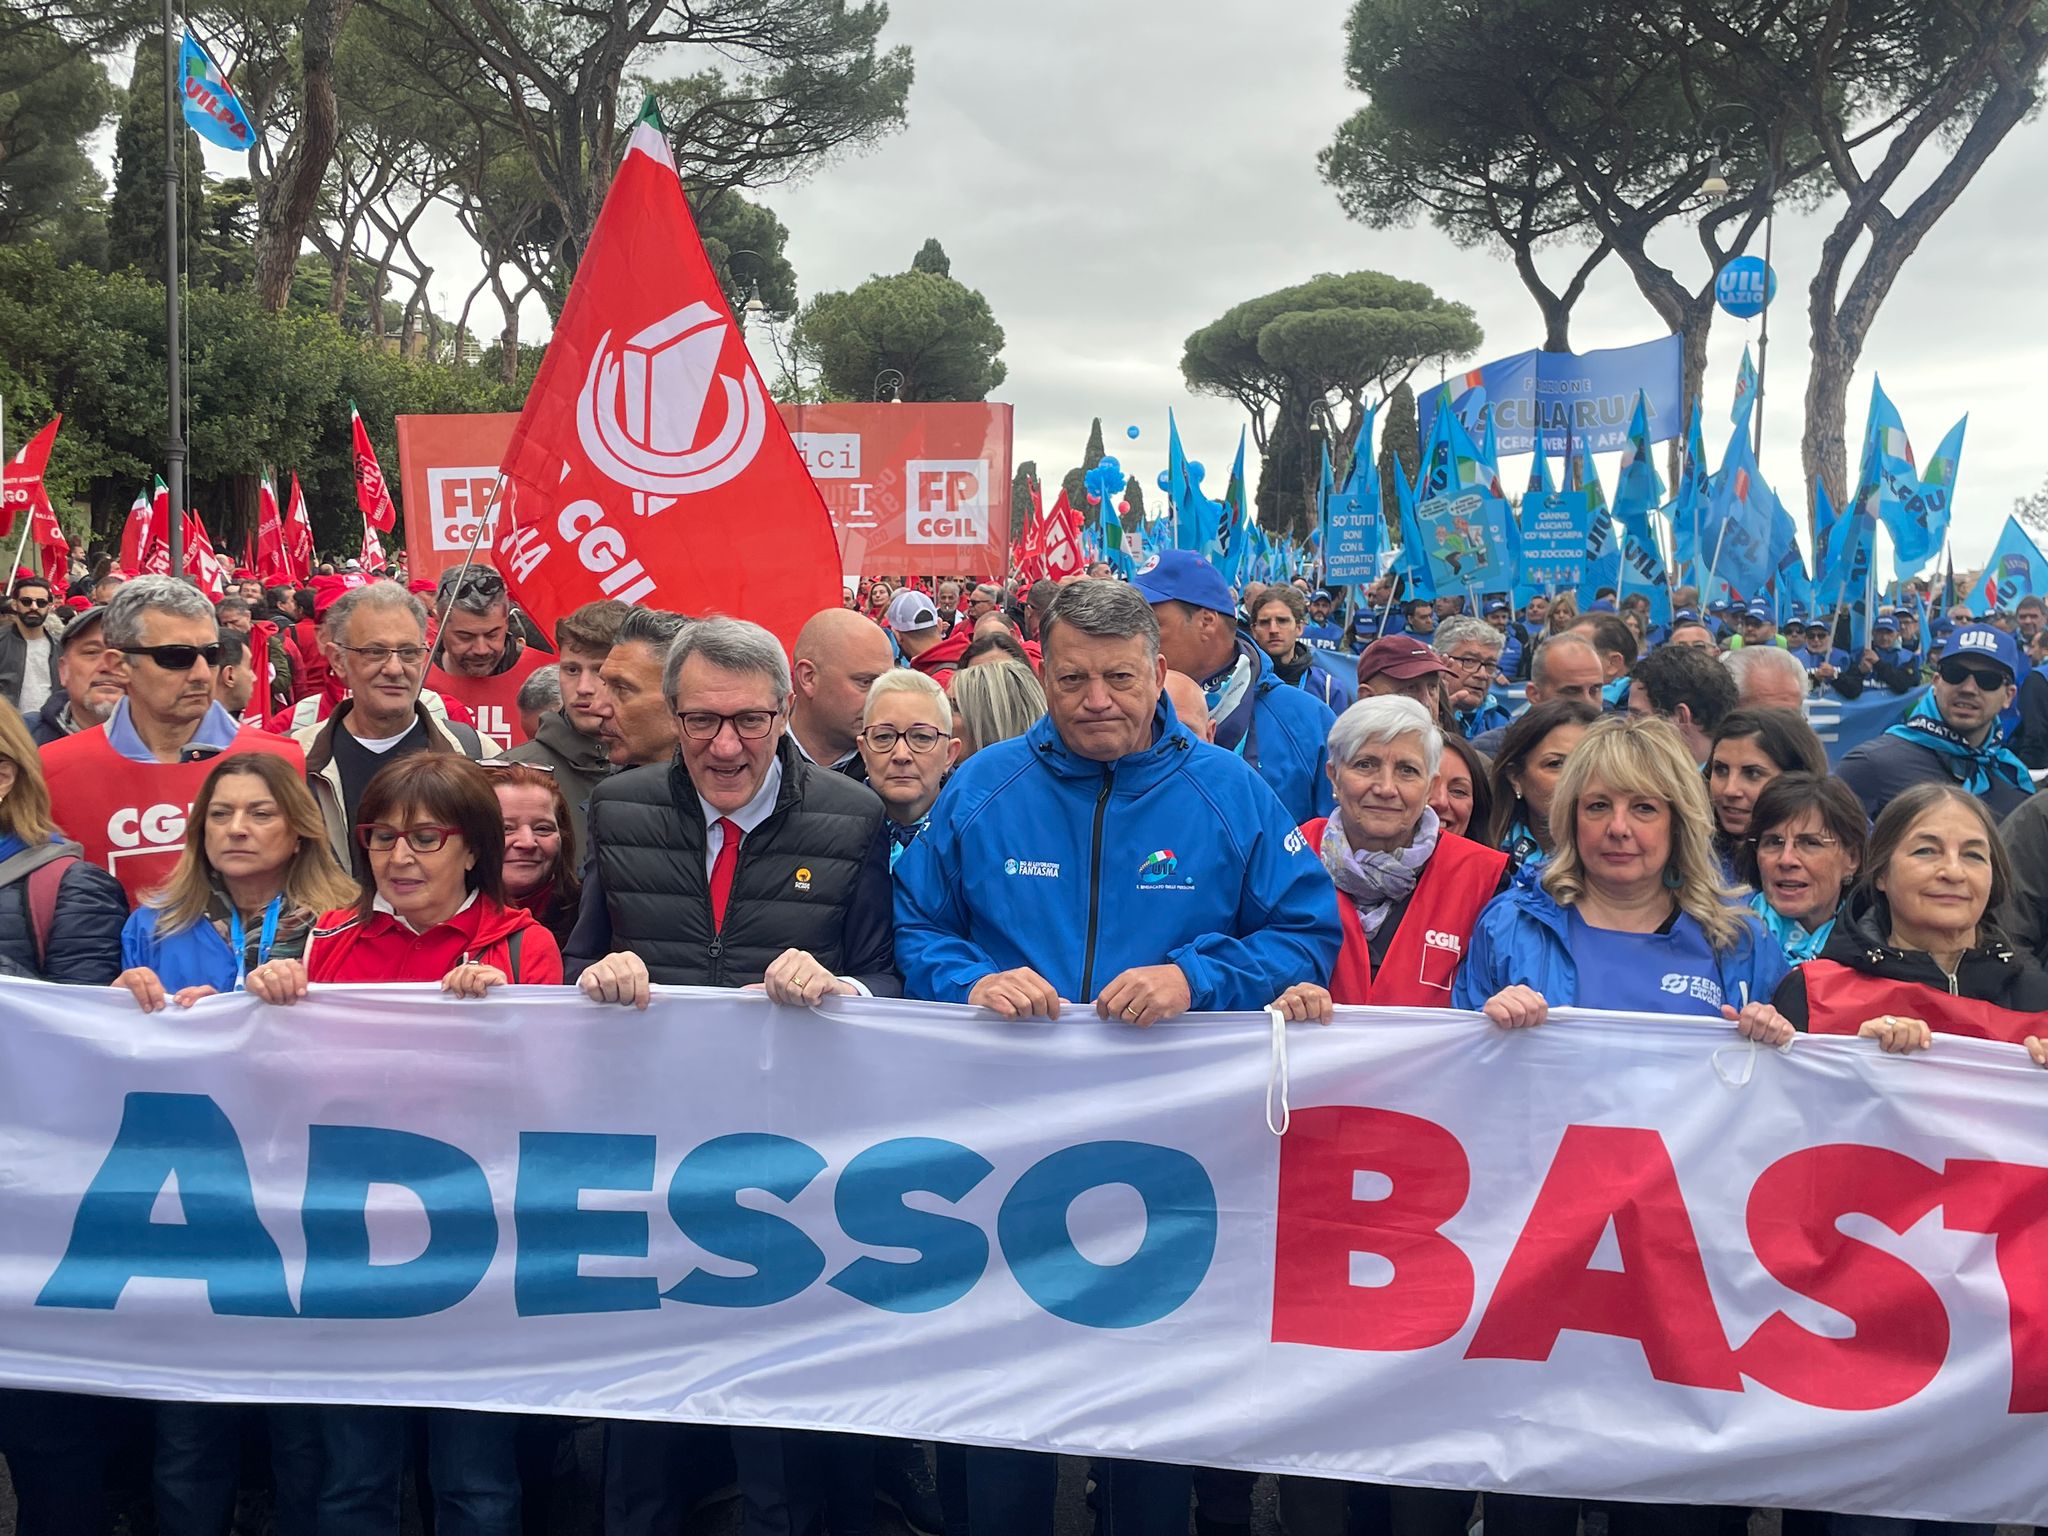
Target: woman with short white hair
907 744
1408 892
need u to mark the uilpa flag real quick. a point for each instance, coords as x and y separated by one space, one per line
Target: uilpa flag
649 464
211 105
372 494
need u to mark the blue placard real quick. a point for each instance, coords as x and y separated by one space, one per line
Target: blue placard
1351 545
1745 286
1555 526
1465 538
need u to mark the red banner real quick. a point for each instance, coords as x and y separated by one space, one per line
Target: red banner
446 468
916 490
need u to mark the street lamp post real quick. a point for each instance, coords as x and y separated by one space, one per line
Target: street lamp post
891 380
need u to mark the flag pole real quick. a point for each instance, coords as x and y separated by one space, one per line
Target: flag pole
174 442
468 559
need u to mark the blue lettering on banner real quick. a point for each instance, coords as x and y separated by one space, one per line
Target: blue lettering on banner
223 1242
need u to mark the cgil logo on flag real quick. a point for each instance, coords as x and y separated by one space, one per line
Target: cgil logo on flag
640 415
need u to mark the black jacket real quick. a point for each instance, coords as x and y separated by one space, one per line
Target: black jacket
85 931
14 659
2029 739
1994 972
579 763
814 876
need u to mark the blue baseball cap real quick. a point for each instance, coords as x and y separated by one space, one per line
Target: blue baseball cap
1718 605
1980 639
1757 611
1320 596
1498 605
1887 618
1600 605
1183 576
1684 616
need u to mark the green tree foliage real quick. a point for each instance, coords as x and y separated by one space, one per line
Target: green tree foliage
1134 499
1400 438
747 245
931 257
135 218
1020 497
928 326
1333 338
1286 500
52 97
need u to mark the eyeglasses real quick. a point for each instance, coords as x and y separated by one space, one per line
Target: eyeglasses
377 655
175 658
1955 671
1470 663
1808 844
922 738
31 602
748 724
379 838
501 765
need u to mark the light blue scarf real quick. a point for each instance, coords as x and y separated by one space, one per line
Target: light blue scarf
1792 936
1973 768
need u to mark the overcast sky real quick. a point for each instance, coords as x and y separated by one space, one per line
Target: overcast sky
1115 176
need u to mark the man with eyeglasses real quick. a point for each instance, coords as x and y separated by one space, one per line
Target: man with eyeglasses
480 655
375 639
122 790
1472 649
28 647
1208 896
737 865
1952 735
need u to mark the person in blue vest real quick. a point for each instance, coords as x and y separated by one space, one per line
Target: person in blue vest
1514 638
1322 627
1278 616
1279 731
1894 664
1045 874
1953 734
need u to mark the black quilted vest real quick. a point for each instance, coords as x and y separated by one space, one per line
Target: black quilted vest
797 872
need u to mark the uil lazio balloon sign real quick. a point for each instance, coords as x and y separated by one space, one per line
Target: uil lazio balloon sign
1744 286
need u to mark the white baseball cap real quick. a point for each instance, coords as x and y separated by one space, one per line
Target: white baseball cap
911 610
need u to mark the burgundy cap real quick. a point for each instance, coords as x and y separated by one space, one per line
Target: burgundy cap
1401 656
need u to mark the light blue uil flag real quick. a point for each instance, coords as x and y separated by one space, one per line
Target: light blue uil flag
2016 570
211 106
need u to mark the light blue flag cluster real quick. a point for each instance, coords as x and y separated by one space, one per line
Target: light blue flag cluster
1736 529
2016 570
1745 392
1914 508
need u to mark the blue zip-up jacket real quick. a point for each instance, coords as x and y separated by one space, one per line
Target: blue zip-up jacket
1291 731
1081 870
1523 938
192 957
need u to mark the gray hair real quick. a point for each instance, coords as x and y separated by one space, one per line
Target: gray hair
909 680
655 628
1108 610
376 594
732 645
152 594
542 690
1539 668
1463 629
1765 658
1384 719
475 588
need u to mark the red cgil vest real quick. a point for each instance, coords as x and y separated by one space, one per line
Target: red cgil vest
128 816
1841 999
1460 878
494 699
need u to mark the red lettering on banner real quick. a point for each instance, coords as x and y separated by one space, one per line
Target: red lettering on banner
1620 1175
1321 1223
2010 1201
1901 1329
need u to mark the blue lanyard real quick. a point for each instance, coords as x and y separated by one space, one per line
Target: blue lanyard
239 941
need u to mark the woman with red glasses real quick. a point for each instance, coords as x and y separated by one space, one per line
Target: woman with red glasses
430 906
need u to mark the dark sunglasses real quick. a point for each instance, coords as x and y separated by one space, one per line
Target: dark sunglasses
31 602
175 658
1990 679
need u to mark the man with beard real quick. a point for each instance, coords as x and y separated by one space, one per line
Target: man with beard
28 651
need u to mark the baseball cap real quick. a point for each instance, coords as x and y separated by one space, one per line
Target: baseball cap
1498 605
1685 616
1756 611
1320 596
1401 656
1977 638
1600 605
912 610
1183 576
1718 605
1816 626
1886 619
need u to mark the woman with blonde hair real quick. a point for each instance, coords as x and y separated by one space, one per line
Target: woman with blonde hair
1631 912
993 703
255 872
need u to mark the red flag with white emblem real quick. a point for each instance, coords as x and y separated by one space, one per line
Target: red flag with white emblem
1062 538
298 536
649 464
24 480
272 565
372 494
200 563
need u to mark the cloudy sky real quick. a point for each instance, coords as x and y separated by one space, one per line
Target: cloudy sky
1115 176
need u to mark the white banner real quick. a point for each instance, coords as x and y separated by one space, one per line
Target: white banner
1611 1256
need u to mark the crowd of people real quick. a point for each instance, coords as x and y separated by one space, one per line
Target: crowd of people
984 785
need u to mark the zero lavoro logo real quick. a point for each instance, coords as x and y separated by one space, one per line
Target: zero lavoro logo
641 411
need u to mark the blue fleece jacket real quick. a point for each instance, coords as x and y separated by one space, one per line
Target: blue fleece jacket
1081 870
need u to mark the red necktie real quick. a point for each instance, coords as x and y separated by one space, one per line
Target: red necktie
721 870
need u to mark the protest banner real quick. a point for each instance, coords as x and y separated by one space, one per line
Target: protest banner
1581 399
1620 1256
447 466
1465 537
1555 527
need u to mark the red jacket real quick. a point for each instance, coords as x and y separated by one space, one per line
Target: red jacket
379 947
1435 929
940 662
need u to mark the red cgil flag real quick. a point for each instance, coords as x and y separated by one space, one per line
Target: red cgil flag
372 494
1062 541
24 479
200 563
298 537
649 464
272 564
146 536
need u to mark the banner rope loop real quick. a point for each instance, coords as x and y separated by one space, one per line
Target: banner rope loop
1276 1074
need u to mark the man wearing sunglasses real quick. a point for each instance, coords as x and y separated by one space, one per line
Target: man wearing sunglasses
1952 734
122 790
28 650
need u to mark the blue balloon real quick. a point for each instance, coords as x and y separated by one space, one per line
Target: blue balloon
1111 467
1195 470
1131 433
1745 286
1164 483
